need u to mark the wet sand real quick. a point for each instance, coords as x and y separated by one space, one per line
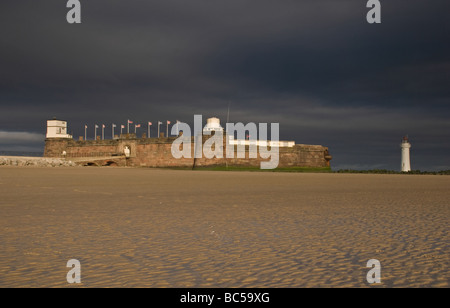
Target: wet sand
166 228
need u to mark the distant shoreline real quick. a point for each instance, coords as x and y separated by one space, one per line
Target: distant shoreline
22 153
383 171
307 170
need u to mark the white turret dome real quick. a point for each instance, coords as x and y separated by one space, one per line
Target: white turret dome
213 124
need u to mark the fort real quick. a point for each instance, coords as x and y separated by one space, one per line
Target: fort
132 151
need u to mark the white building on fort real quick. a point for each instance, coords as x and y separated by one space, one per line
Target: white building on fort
213 124
57 129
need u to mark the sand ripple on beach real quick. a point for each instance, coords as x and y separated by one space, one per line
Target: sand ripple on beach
163 228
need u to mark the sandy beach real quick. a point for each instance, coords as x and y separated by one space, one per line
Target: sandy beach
168 228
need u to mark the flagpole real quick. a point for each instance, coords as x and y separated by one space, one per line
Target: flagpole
95 134
226 133
85 132
167 129
103 131
128 126
148 130
159 122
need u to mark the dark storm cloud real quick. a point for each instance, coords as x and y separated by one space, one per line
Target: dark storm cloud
316 67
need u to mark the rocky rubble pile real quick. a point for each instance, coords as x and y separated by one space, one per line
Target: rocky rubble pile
35 161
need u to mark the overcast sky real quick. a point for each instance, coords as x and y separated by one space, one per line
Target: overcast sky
314 66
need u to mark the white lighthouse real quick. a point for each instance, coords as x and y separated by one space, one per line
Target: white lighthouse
406 164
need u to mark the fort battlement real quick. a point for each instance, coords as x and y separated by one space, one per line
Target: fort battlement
156 152
129 150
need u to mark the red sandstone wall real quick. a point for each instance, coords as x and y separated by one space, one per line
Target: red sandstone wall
55 147
156 152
